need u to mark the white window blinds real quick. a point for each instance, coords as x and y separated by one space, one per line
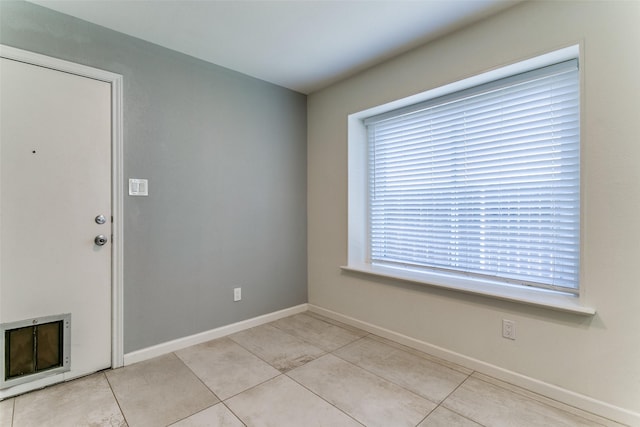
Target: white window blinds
483 182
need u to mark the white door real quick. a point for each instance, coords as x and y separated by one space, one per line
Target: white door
55 178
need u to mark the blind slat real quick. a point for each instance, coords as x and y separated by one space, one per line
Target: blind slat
483 182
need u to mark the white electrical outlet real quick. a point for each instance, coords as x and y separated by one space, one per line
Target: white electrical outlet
237 294
509 329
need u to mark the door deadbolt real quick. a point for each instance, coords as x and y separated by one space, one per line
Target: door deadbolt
100 240
100 219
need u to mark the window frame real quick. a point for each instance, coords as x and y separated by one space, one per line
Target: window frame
358 227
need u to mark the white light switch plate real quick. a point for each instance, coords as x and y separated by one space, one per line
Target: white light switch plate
138 187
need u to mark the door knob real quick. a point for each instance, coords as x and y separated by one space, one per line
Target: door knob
100 240
100 219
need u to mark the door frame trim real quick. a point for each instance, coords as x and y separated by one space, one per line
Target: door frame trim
117 177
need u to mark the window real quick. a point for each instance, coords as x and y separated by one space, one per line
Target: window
481 183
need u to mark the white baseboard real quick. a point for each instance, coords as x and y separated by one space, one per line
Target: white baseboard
180 343
559 394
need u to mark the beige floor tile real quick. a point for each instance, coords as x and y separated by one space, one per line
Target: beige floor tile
225 367
318 332
6 412
547 401
442 417
276 347
82 402
159 391
336 322
495 406
423 377
216 416
422 354
365 379
366 397
281 402
342 325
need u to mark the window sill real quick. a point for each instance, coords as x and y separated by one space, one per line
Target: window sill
535 297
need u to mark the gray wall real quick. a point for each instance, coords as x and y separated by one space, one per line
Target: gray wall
225 155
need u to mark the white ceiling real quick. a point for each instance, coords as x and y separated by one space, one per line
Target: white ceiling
303 45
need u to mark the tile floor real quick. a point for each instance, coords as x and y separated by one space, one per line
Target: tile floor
303 370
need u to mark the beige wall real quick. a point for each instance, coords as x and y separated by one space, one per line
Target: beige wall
599 356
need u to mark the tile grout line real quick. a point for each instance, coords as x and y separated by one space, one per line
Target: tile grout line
393 382
234 414
199 379
323 399
400 385
421 354
252 387
324 352
441 404
365 370
332 352
383 378
427 416
541 399
250 352
349 343
314 344
333 322
280 373
399 346
468 376
220 402
201 382
285 373
113 393
13 411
